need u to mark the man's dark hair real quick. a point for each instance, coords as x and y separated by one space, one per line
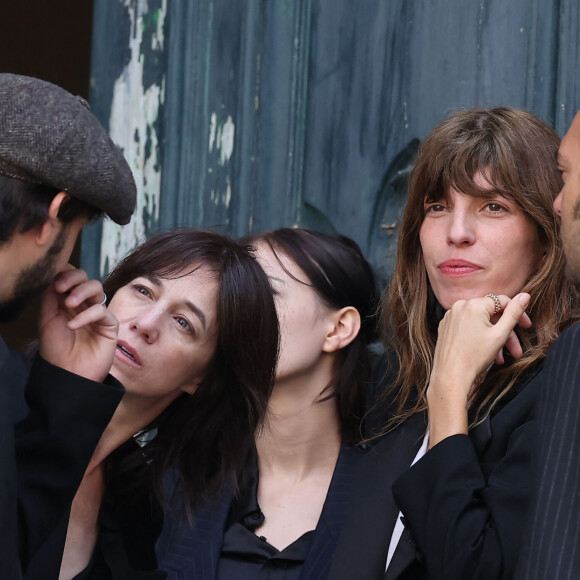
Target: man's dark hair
24 206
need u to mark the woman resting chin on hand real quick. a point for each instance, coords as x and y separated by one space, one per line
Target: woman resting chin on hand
477 297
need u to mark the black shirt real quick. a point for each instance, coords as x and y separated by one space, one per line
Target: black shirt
247 556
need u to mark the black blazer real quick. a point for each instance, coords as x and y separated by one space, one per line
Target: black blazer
43 457
464 502
193 553
130 521
552 536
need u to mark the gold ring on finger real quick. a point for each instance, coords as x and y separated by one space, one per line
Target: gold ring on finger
496 302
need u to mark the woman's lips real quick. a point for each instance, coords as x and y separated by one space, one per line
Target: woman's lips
458 268
127 354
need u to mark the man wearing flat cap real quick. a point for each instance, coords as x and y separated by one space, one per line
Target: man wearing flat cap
58 170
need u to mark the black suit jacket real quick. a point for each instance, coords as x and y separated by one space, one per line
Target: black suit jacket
43 457
130 521
192 553
464 502
552 536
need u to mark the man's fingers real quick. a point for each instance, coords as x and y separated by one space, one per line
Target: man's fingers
68 279
90 292
95 314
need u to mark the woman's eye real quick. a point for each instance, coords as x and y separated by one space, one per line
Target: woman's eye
495 207
434 208
142 290
184 323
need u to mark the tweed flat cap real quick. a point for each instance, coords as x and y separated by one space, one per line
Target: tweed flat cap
50 137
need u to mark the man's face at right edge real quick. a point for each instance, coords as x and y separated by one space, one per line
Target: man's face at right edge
567 204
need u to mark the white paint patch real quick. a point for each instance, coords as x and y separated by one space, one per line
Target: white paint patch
134 112
228 132
158 39
222 137
212 131
227 197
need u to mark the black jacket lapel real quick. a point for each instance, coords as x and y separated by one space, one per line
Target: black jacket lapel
404 556
192 551
363 545
333 515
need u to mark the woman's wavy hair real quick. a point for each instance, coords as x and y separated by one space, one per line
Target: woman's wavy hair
515 151
204 438
341 276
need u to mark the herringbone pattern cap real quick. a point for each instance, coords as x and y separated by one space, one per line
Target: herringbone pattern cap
50 137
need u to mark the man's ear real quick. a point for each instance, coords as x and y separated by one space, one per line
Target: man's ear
48 231
345 330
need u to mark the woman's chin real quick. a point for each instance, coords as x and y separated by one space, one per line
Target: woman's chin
447 300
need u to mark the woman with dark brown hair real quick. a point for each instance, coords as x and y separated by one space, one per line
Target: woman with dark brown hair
293 494
478 245
196 353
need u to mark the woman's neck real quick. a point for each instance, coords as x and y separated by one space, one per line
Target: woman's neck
301 434
133 414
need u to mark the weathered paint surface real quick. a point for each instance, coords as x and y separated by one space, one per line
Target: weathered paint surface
133 126
272 113
222 138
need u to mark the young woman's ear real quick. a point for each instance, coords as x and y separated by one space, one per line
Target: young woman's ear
49 230
345 329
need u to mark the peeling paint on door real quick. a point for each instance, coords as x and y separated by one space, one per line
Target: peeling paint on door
226 140
222 137
135 110
303 112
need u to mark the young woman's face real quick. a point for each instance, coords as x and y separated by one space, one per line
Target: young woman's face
304 319
167 333
473 246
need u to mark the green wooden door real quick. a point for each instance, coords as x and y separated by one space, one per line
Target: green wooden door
251 115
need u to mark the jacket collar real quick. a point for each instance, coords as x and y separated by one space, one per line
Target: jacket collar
333 515
195 549
362 549
192 550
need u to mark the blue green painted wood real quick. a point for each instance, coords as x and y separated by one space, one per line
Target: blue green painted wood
255 114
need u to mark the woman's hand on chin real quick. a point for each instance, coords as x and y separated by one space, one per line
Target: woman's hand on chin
471 337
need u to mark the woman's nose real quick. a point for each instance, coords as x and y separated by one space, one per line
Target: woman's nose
147 324
461 228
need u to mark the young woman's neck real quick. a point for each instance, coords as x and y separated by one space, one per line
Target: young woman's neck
301 433
133 414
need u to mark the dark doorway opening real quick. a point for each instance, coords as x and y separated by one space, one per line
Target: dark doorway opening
51 41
